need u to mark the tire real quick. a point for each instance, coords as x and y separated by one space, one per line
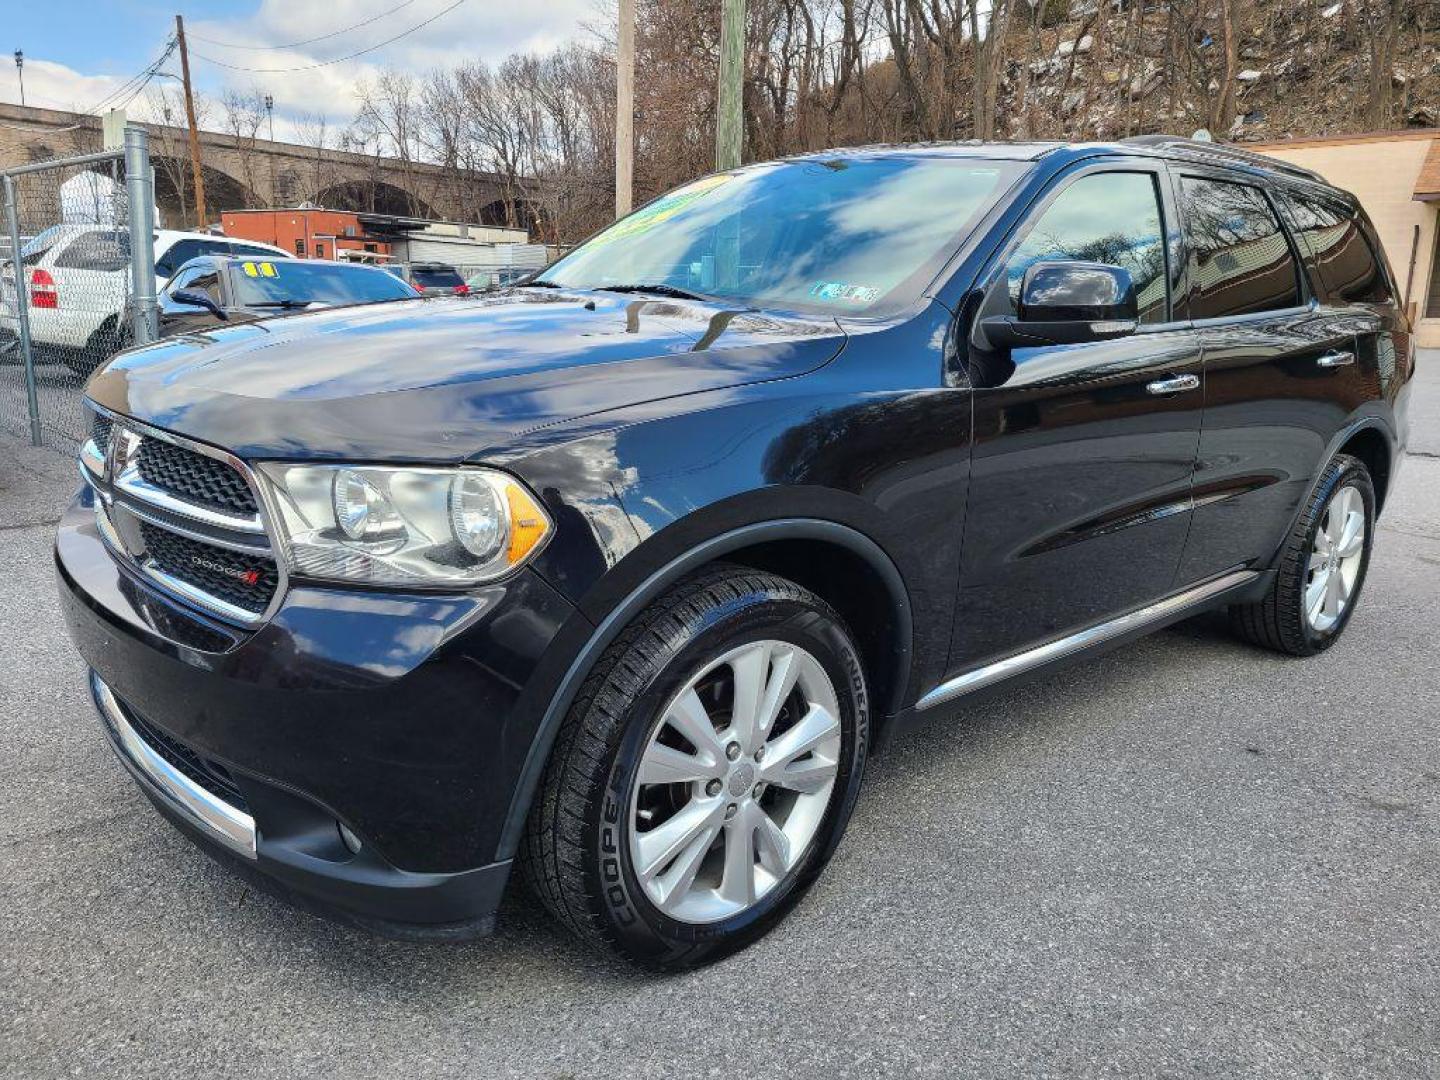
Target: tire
108 339
1280 620
585 842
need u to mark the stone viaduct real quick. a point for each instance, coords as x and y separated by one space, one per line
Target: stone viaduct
242 172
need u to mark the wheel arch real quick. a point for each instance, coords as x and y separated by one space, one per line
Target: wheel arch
810 551
1369 438
1370 444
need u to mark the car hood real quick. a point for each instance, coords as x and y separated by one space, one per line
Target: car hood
440 380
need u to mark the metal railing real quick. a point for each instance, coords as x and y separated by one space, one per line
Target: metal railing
77 281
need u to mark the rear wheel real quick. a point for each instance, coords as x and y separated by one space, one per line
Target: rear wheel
1322 567
108 339
704 775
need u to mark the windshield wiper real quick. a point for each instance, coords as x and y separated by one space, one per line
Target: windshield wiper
658 288
539 283
283 303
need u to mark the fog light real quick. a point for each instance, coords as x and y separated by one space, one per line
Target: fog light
348 838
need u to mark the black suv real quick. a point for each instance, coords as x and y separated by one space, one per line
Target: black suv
620 575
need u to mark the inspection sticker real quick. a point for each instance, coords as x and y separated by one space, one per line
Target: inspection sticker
263 269
841 292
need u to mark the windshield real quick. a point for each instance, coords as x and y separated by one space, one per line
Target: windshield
839 235
321 283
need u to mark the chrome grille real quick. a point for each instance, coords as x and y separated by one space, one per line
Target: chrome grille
183 514
195 477
100 431
246 581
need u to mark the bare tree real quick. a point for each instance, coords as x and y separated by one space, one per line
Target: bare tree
243 115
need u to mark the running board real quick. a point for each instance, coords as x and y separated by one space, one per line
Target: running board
1020 662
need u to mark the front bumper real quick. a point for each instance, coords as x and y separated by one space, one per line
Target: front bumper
406 719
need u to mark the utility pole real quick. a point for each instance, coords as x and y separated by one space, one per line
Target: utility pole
194 128
729 113
625 109
270 153
20 73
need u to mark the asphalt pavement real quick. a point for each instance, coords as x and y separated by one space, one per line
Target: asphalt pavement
1185 858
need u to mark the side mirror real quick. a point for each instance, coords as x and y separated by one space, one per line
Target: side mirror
187 298
1068 303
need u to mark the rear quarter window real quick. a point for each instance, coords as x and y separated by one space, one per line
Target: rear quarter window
1334 238
106 250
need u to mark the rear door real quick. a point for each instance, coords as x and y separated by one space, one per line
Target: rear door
1083 454
1277 360
1352 280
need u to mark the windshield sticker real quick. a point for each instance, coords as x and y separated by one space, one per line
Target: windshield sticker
662 209
263 269
839 292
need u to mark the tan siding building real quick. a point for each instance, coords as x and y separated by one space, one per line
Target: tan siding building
1396 176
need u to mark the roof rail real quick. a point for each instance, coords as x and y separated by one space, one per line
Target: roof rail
1225 152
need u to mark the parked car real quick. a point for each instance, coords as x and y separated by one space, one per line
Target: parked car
431 279
77 279
618 577
214 290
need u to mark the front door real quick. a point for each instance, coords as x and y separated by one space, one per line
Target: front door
1083 454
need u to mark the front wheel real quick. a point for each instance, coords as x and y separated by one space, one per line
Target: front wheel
1322 567
705 773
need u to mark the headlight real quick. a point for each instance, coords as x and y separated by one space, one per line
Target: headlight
397 526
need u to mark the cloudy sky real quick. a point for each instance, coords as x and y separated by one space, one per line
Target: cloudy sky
74 61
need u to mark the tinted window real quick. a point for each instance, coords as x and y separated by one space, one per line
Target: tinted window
203 277
1334 239
320 283
251 252
181 281
34 249
208 282
836 234
100 249
436 277
182 251
1111 218
1240 261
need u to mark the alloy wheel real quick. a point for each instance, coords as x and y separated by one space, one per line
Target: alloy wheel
735 781
1335 560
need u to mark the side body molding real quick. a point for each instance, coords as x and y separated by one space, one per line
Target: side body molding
707 551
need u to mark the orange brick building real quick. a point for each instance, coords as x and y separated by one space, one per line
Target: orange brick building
309 233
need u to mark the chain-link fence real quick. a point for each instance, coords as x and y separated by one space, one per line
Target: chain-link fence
74 286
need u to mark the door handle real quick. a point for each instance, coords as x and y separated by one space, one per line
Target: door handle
1176 384
1336 359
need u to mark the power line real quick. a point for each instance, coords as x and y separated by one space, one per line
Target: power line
307 41
338 59
144 79
132 86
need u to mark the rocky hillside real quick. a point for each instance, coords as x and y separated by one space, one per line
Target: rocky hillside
1299 68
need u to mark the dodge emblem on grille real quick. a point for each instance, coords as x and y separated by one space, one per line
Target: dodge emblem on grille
247 577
